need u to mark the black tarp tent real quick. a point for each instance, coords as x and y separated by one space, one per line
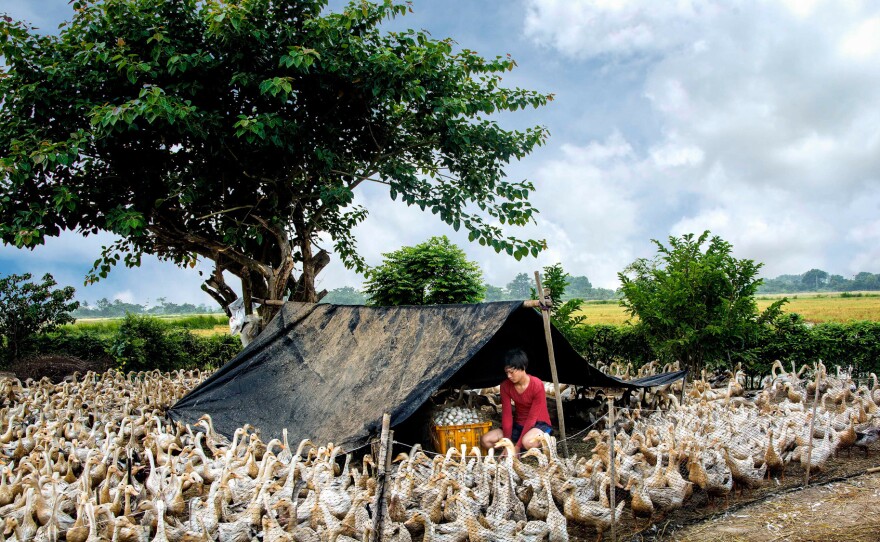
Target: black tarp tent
329 372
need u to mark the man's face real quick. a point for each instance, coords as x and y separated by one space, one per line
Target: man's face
514 375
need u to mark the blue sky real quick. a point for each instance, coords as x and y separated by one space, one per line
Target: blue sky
757 120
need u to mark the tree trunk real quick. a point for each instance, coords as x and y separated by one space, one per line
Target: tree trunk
217 288
271 282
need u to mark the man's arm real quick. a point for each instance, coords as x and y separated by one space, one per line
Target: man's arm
506 413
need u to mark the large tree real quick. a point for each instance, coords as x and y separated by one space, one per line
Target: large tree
695 301
28 308
237 131
520 287
430 273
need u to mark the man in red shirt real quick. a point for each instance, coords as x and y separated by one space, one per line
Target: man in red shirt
530 401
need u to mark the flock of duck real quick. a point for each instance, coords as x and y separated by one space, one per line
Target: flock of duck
92 458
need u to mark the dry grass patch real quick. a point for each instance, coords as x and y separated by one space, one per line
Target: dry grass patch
831 309
847 510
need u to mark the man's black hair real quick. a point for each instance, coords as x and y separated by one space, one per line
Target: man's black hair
516 359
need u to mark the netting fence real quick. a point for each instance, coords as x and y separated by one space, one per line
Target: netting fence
710 451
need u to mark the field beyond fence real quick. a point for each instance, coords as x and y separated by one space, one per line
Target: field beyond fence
815 308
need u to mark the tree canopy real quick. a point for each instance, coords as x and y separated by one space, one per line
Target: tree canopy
695 301
520 287
563 314
431 273
237 131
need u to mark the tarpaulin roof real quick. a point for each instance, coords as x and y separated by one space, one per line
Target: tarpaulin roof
329 372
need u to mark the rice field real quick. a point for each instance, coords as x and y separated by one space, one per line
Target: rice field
818 307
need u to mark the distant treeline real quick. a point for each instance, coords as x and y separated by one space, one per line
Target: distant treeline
520 287
816 280
579 287
104 308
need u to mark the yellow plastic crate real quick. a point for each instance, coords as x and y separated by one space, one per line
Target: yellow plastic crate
445 437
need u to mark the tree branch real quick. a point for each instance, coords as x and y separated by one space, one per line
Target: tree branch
224 211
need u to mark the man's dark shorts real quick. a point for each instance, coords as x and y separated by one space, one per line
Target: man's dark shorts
518 429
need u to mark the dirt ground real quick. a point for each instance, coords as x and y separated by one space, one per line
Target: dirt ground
841 504
848 510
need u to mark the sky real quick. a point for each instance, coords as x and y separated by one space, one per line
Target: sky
757 120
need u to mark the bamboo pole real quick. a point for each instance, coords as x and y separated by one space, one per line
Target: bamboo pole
812 423
612 469
544 298
684 382
381 462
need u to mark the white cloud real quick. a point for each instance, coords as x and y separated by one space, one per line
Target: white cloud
863 42
670 154
126 296
801 8
769 131
586 28
588 200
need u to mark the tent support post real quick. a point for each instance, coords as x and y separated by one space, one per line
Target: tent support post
812 424
611 441
684 382
381 462
544 298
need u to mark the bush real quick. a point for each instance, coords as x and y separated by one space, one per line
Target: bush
789 338
214 351
854 344
144 343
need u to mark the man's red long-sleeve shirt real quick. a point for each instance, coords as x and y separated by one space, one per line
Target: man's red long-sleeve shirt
531 407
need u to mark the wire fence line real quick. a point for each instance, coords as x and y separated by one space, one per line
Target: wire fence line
712 452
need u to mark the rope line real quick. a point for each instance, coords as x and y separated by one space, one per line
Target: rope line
583 430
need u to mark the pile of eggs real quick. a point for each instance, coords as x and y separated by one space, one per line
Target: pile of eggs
455 415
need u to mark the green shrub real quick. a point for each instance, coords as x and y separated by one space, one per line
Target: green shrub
214 351
143 343
789 338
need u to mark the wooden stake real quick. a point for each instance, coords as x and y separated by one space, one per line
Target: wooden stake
381 462
812 423
612 468
544 298
683 386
